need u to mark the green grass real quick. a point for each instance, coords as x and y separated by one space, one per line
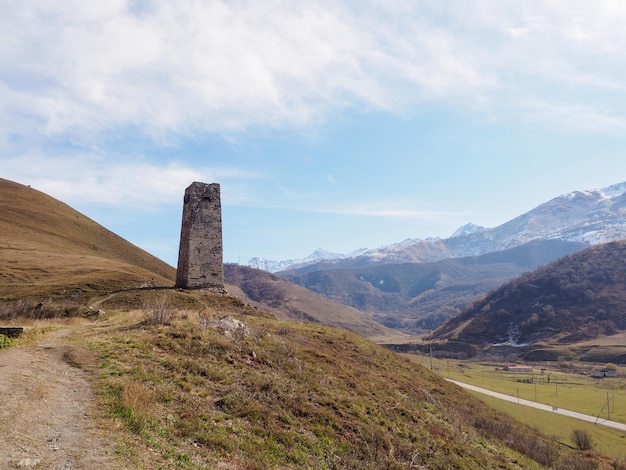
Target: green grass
5 341
566 390
555 386
281 395
606 441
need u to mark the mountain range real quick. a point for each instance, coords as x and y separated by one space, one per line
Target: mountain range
416 297
583 216
576 300
416 285
319 255
289 301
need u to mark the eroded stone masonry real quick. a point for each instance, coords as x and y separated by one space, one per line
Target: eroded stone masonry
200 256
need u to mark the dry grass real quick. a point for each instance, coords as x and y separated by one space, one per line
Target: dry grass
293 302
47 249
158 311
218 387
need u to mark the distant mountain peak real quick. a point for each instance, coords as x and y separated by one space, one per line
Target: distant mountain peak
614 191
317 256
467 229
581 216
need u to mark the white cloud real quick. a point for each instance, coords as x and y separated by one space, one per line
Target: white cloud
117 182
589 118
83 69
214 66
392 211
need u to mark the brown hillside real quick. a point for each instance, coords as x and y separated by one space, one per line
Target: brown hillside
416 297
575 299
48 249
230 387
290 301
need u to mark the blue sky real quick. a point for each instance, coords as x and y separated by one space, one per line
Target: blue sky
328 124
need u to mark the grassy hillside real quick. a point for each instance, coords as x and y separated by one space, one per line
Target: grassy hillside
47 249
290 301
415 297
569 302
50 254
226 386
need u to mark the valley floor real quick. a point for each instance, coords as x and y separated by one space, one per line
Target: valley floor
540 406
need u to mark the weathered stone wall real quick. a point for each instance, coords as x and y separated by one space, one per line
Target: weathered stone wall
200 257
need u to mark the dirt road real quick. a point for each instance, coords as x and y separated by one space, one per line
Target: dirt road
541 406
45 411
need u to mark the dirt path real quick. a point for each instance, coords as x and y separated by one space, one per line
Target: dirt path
45 411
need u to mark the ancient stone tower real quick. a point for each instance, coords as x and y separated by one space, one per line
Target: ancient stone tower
200 258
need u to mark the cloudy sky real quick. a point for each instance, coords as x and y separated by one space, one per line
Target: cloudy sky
329 124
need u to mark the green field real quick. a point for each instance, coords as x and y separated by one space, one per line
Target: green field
554 386
607 441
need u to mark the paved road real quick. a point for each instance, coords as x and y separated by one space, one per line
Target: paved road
541 406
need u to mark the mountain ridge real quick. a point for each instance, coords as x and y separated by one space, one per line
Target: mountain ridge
415 297
583 216
577 298
290 301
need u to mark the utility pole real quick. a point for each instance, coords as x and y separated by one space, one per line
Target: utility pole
430 347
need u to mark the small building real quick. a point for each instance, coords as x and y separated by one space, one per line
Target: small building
516 368
601 373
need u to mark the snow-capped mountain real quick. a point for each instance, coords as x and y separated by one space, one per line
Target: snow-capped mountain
590 217
315 257
467 229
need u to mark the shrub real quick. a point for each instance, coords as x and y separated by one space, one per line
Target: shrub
577 462
582 439
5 341
158 311
36 310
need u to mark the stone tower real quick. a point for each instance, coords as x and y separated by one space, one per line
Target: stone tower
200 258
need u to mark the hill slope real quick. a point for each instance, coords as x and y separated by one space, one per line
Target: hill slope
577 298
228 387
47 249
414 297
290 301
